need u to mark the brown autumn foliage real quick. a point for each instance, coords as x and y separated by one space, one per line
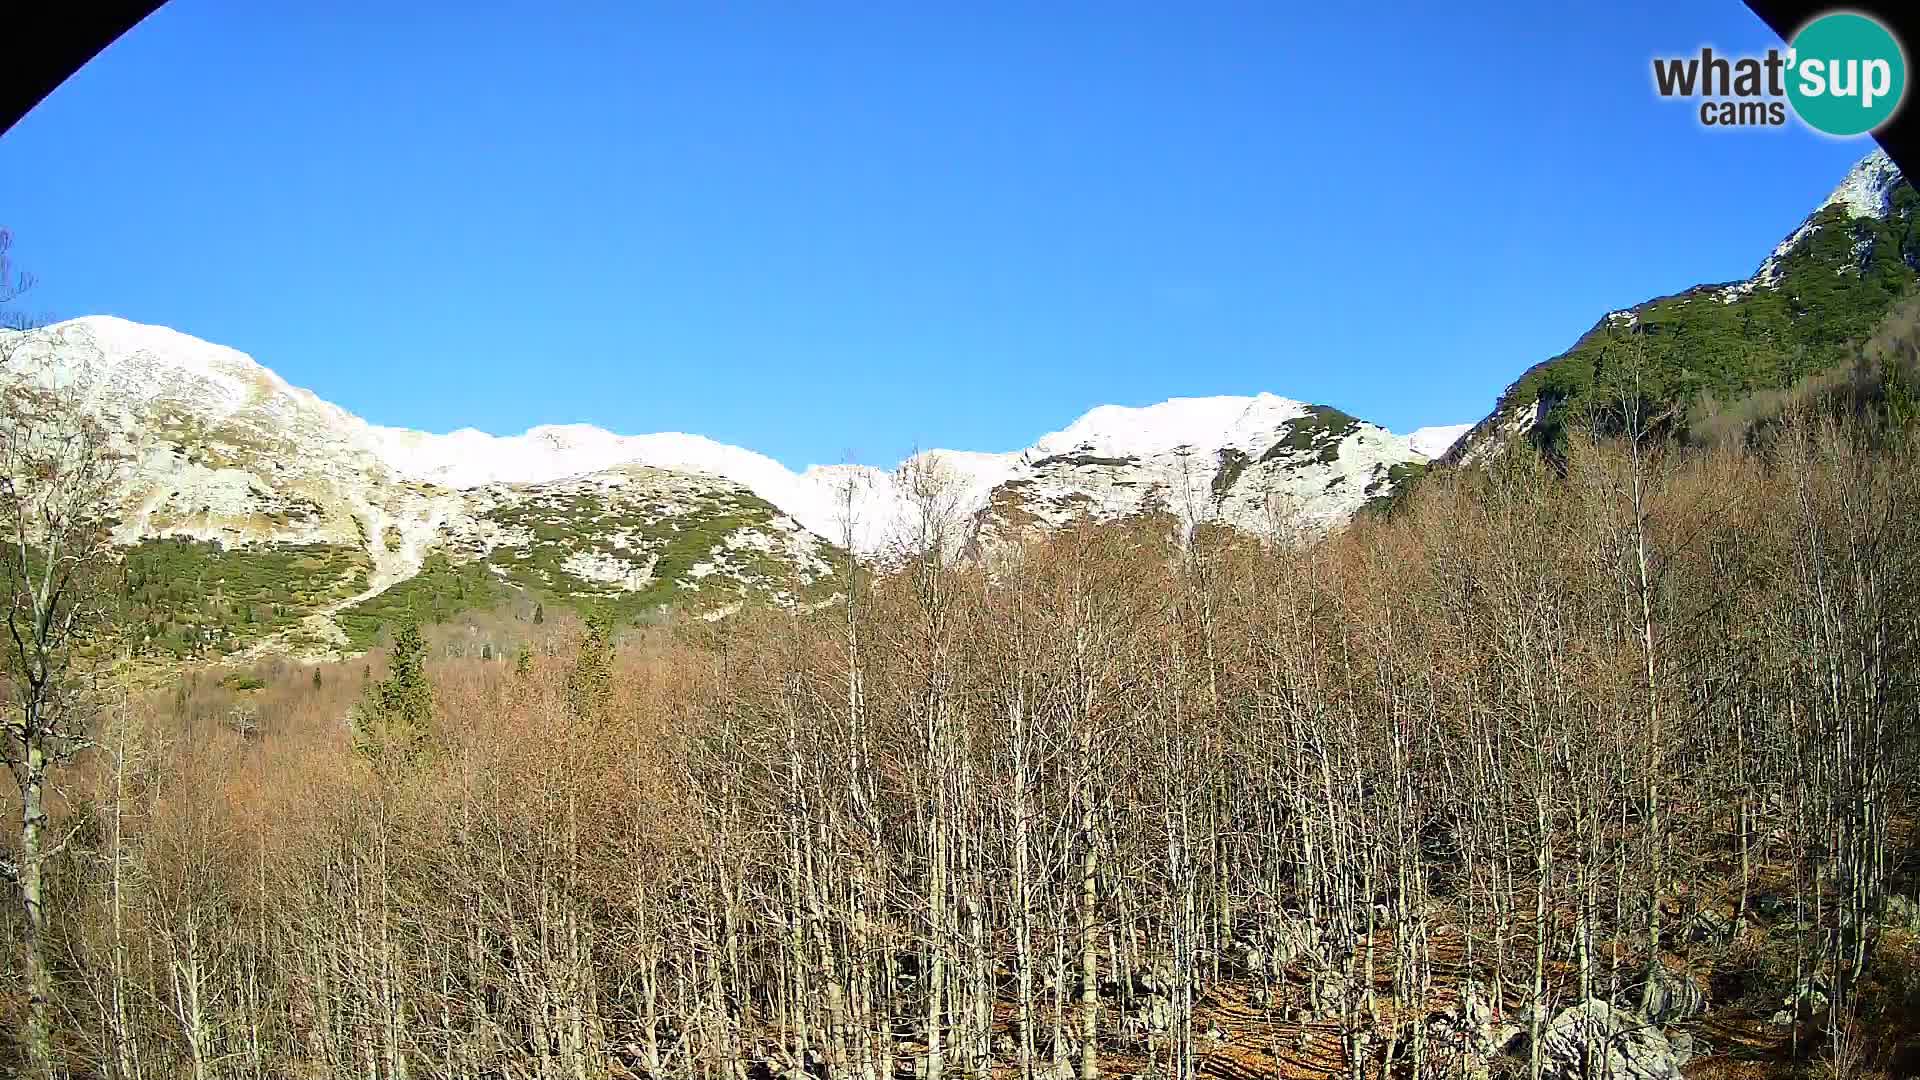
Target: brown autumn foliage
1109 803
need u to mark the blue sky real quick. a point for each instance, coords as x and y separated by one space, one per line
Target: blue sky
838 231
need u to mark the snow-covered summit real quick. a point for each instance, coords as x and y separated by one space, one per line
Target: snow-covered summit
141 362
1156 441
118 342
1198 423
1432 442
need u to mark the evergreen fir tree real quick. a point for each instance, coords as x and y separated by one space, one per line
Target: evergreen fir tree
523 661
590 685
393 720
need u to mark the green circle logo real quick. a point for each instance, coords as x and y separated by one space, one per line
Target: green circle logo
1847 74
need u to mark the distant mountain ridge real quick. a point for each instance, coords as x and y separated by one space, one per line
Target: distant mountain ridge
239 477
1153 447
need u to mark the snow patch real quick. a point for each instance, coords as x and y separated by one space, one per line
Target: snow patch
1432 442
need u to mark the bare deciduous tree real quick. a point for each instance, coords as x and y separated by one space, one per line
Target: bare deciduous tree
58 479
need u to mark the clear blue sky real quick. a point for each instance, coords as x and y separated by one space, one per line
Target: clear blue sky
836 231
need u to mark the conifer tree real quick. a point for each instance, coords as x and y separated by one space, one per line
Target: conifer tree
394 717
589 686
523 661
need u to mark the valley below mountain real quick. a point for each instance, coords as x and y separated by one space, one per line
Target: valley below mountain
1500 751
1137 733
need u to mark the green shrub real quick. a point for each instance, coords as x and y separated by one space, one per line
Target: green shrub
436 594
193 598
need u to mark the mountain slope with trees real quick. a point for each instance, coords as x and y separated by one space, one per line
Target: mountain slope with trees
1804 312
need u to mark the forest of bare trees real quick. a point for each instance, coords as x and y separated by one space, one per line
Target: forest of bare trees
1570 768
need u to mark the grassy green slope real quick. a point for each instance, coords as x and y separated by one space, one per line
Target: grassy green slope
441 590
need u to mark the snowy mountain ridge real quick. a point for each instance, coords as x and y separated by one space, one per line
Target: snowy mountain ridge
225 450
816 496
154 365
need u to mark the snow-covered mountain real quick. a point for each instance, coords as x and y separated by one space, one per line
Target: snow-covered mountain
225 450
1113 462
1436 441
